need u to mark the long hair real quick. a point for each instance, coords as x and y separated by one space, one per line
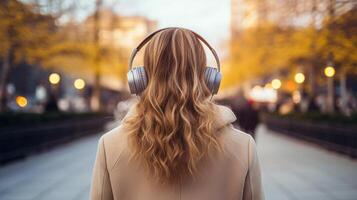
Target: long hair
173 127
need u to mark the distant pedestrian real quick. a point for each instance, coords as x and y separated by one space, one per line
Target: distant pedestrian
247 115
51 105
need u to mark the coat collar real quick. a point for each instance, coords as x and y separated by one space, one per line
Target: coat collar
225 115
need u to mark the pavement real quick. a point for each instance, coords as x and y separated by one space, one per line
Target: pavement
292 169
63 173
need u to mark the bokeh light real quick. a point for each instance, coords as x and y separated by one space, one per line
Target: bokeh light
296 97
299 78
264 94
21 101
276 84
79 84
54 78
329 71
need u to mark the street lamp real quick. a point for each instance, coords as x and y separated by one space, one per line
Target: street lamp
297 95
54 78
299 78
276 83
79 84
329 73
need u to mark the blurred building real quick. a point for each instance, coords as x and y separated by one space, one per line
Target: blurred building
117 34
121 32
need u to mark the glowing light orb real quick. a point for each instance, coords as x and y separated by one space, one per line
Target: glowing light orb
276 84
79 84
329 71
299 78
21 101
54 78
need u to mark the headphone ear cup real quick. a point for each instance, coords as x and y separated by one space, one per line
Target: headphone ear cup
142 79
208 72
137 80
216 82
212 79
130 76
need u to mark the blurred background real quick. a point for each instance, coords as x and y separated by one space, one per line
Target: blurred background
289 74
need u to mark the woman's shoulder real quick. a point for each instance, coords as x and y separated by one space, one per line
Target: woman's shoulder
225 119
115 144
237 144
236 136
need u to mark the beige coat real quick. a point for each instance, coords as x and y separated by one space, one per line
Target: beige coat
234 176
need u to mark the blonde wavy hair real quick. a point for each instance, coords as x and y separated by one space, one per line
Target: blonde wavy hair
173 128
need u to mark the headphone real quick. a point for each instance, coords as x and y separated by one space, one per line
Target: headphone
138 80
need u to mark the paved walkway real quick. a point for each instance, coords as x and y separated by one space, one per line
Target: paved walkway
63 173
292 170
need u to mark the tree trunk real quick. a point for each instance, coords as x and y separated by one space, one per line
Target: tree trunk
330 95
313 67
312 81
4 78
96 92
343 88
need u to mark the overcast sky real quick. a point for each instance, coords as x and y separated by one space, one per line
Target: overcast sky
210 18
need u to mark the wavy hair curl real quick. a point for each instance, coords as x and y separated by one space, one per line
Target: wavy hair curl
173 127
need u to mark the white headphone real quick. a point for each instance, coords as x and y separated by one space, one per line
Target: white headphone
138 80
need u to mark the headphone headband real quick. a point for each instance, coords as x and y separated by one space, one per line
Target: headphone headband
148 38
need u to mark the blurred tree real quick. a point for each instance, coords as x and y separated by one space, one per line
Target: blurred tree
24 36
284 39
81 50
95 99
44 33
